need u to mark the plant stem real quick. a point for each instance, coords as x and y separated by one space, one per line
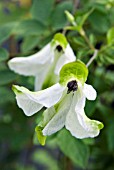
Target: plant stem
76 5
69 165
92 58
64 30
83 34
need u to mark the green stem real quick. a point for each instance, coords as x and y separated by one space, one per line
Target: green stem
83 34
92 58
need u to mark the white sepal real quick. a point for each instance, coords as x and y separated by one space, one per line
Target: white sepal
31 102
89 92
34 64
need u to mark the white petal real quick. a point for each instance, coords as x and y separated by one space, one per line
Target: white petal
47 97
66 57
89 92
80 100
33 64
40 77
27 105
90 128
57 119
38 83
69 53
72 123
61 61
77 122
47 76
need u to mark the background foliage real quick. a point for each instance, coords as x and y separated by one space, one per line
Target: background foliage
25 27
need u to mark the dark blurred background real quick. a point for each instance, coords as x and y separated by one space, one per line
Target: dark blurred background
25 27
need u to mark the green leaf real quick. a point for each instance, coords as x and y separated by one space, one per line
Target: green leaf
6 95
40 136
45 158
29 27
6 31
108 100
58 19
109 77
3 66
110 36
107 57
6 76
3 54
84 17
110 136
90 107
81 18
74 70
28 167
29 43
41 10
73 148
99 21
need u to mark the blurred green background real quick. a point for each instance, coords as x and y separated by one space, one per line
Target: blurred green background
25 27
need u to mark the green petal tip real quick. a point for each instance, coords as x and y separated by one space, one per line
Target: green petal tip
74 70
40 136
101 126
60 39
15 89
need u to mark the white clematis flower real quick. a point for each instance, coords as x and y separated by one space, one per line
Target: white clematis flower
65 102
45 64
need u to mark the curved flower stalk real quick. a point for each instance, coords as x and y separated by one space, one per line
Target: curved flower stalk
65 102
45 64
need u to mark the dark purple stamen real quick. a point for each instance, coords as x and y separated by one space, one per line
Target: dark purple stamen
59 48
72 86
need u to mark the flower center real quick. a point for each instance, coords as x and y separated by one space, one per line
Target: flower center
59 48
72 86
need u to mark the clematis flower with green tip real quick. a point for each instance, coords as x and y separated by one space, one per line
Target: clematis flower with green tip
65 102
45 64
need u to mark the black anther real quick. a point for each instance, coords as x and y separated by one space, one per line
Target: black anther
59 48
72 86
